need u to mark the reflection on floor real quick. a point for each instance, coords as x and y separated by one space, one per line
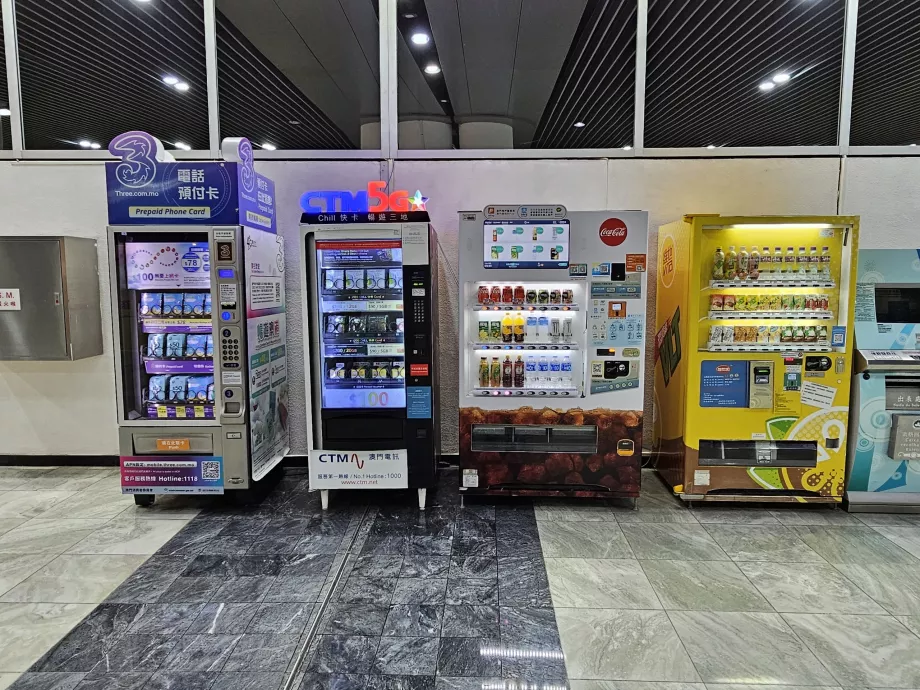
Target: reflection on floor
68 538
375 595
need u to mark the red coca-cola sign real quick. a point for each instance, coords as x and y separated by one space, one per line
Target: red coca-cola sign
612 232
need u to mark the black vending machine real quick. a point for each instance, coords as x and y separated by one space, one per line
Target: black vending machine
370 321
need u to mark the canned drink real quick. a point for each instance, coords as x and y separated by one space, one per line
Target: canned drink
531 297
555 297
555 330
543 297
484 294
567 296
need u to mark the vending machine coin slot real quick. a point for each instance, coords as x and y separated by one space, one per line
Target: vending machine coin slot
818 363
614 369
760 393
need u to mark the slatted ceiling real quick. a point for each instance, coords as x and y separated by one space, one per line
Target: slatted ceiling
259 102
596 84
706 60
886 79
5 133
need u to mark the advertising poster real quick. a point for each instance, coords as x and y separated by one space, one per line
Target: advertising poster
381 469
266 328
180 474
168 265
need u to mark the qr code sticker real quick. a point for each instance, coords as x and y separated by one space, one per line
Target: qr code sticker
210 469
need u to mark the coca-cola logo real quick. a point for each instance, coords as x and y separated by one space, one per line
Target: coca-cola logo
612 232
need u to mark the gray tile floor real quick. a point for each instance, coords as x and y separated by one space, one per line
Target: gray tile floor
587 596
68 538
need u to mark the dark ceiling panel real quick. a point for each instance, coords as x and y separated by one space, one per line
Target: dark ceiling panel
5 135
886 80
707 59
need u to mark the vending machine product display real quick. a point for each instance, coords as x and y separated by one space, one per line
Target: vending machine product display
199 325
883 458
753 354
370 318
552 333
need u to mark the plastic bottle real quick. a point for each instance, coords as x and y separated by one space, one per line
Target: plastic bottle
825 270
530 328
507 328
731 264
813 262
801 263
789 264
566 381
555 372
519 324
718 265
744 264
777 267
519 372
507 372
530 372
765 264
543 329
483 372
495 373
754 264
543 373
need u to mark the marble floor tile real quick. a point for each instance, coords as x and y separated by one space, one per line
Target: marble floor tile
165 619
282 543
741 515
16 567
409 656
673 542
415 590
48 681
564 512
888 519
6 524
531 631
47 535
83 647
342 654
67 479
318 544
424 565
654 513
135 653
818 516
201 652
866 651
253 526
473 567
583 540
852 545
13 477
223 619
643 685
471 683
412 620
471 621
286 619
234 566
75 579
463 657
115 681
908 538
808 588
307 565
599 583
248 681
892 585
27 631
355 619
474 546
703 586
261 654
30 504
6 679
756 646
228 546
244 590
912 623
180 680
90 505
190 590
193 538
183 508
128 536
622 645
367 590
776 544
522 581
301 589
385 565
477 592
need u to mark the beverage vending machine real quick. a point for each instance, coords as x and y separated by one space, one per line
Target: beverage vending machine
753 353
370 318
883 457
198 305
552 333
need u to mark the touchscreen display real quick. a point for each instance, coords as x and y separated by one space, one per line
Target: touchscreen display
526 244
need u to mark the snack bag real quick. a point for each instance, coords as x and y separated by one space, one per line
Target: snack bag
776 302
774 334
715 334
786 302
763 302
728 303
798 302
728 334
740 302
715 303
763 334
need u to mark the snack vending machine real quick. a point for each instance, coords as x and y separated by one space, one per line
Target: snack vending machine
370 318
753 355
883 457
198 307
552 333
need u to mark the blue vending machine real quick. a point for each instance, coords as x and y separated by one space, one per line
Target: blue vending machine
883 457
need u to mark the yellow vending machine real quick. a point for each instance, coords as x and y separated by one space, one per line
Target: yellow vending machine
753 353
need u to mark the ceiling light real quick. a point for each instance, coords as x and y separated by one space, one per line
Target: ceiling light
579 124
183 146
767 86
443 100
181 86
781 78
293 122
420 38
409 15
95 146
269 147
627 148
170 80
84 144
711 147
4 112
432 68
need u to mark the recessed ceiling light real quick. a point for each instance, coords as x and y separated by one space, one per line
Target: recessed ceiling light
170 80
781 78
579 124
767 86
95 146
269 147
627 148
911 144
410 15
182 86
84 144
432 68
711 147
420 38
443 100
293 122
183 146
4 112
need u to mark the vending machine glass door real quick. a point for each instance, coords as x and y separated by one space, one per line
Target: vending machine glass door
360 288
162 302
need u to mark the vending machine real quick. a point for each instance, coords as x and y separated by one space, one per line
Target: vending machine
552 332
753 354
883 457
370 318
198 309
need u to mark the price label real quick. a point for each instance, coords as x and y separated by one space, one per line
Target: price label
199 412
180 411
162 412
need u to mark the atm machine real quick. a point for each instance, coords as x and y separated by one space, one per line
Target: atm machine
883 456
